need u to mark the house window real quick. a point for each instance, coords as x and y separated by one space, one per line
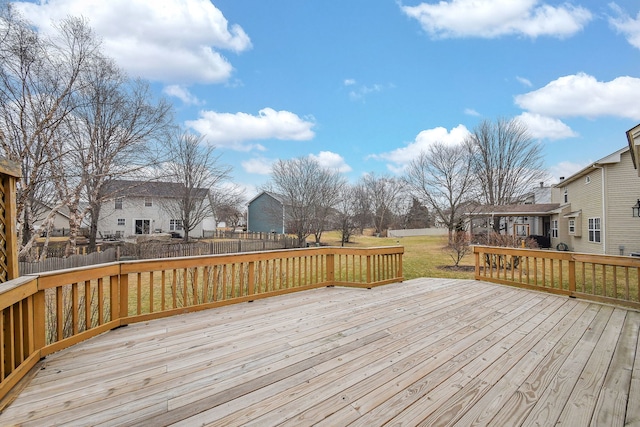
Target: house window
554 228
175 225
572 226
121 222
118 203
566 195
594 230
148 202
587 180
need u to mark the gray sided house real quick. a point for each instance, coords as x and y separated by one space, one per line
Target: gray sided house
135 207
266 213
596 213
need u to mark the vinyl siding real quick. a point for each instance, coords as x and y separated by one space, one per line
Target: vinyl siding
134 208
622 192
584 197
264 214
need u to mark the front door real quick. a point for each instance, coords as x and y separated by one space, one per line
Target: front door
143 226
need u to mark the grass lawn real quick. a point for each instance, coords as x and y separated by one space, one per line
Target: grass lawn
424 256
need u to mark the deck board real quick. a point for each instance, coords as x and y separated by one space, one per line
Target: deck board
423 352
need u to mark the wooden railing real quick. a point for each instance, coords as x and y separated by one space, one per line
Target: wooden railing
603 278
44 313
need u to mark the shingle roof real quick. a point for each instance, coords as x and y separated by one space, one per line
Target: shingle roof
158 189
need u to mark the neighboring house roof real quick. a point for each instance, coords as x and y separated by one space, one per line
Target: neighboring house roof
516 210
633 138
608 160
158 189
280 198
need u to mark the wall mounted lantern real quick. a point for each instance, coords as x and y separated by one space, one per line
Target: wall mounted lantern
636 209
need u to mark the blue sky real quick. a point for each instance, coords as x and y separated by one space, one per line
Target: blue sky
364 85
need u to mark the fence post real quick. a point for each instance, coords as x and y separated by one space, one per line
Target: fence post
368 269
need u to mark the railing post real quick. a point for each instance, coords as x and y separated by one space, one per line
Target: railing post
124 296
251 278
368 269
476 254
331 268
39 322
572 275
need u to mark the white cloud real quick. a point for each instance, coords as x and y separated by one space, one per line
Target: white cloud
525 82
581 95
258 165
168 40
626 25
542 127
495 18
565 169
361 92
402 156
183 94
333 161
471 112
234 130
349 82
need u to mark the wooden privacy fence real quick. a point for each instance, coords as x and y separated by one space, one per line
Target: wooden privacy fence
44 313
603 278
72 261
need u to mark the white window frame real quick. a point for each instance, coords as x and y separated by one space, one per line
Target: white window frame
121 222
566 195
554 229
175 225
595 230
148 202
118 203
572 226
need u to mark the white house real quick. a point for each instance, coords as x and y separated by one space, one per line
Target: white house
134 208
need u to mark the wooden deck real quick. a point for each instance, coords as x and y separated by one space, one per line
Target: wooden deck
424 352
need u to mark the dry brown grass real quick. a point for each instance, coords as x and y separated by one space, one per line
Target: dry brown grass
424 256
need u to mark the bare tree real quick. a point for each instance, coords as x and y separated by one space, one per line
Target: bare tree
197 169
38 80
111 134
386 196
506 161
441 177
309 193
346 217
228 203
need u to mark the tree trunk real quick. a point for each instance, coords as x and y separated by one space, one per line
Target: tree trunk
93 227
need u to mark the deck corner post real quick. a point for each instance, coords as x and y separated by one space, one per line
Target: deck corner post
124 296
330 268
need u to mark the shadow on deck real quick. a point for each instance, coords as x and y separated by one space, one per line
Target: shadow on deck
427 351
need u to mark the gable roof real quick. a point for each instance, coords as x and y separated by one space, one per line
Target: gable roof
280 198
611 159
157 189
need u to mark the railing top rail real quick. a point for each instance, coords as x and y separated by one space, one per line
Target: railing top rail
15 290
618 260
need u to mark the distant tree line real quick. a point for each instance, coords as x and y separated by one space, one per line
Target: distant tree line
497 164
